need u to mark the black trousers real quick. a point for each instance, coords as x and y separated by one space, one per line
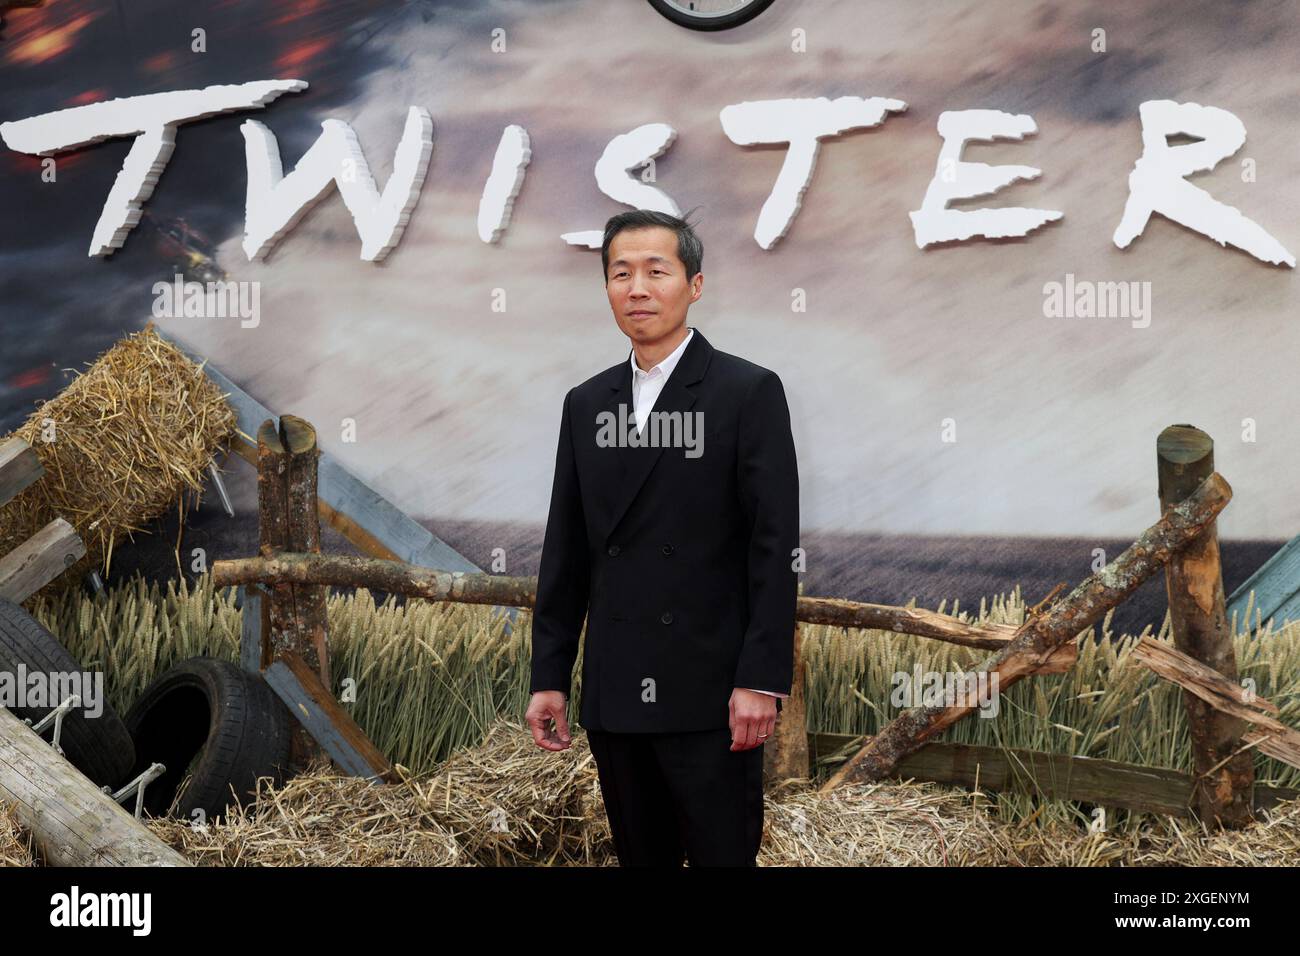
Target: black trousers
670 796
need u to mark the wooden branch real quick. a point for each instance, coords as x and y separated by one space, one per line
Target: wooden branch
1040 636
922 623
1271 736
73 821
1194 585
19 467
397 577
904 620
39 560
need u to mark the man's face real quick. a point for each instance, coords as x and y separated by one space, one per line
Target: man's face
646 284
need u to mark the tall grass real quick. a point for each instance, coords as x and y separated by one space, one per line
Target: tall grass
429 678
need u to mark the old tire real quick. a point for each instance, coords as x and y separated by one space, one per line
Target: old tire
725 21
228 718
100 747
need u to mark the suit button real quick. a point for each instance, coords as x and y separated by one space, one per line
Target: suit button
613 550
667 549
666 617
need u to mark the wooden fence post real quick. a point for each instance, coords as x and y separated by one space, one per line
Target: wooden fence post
1223 783
287 514
785 756
311 632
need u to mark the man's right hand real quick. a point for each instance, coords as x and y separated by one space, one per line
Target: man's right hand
547 706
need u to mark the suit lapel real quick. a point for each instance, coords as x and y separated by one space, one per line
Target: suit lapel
635 464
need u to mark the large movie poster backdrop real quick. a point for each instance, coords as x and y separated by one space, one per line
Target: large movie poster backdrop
991 249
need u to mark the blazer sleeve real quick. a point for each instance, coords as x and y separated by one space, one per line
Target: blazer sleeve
563 579
768 479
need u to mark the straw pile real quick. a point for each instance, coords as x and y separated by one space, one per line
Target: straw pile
130 436
883 824
317 819
15 842
509 803
505 803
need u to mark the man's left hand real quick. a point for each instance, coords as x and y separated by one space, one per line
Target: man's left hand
753 718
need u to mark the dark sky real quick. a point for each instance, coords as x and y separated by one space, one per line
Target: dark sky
59 308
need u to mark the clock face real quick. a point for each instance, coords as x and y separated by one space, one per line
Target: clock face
710 14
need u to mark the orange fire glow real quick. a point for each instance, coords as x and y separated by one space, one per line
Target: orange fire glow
299 54
38 43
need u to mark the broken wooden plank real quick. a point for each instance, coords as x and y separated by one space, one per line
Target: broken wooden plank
39 560
72 821
1283 747
1108 783
1276 587
1194 585
19 467
1042 634
329 724
1270 736
252 606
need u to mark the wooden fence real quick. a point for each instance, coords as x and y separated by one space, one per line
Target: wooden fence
1183 543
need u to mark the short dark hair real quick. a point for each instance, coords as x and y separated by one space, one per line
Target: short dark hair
689 248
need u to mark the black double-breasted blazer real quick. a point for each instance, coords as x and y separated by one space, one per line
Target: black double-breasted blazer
682 564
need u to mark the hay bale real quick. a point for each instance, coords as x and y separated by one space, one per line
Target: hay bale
511 803
131 435
16 848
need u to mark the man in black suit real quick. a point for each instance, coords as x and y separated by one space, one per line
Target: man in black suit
674 528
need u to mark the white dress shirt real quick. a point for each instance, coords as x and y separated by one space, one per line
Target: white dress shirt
646 386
